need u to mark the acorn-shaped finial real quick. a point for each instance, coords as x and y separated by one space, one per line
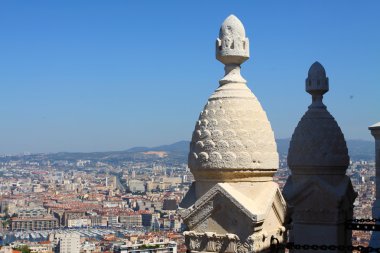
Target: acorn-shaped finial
317 83
232 47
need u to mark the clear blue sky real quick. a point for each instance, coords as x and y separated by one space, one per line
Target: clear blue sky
107 75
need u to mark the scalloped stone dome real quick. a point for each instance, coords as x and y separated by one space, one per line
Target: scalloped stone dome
233 138
318 142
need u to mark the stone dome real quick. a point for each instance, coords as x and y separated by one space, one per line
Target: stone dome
318 141
233 135
233 139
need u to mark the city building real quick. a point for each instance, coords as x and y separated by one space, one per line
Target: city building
79 222
96 220
31 212
135 185
67 243
158 247
131 219
148 218
72 215
169 204
34 223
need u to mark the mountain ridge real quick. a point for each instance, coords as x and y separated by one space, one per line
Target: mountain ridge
177 153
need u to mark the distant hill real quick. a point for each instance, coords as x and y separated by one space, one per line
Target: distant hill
283 147
176 153
357 149
181 146
361 150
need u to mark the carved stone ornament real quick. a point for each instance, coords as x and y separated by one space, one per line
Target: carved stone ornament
228 243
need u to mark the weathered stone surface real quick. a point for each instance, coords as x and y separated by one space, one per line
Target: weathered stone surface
232 47
375 131
319 199
318 145
252 212
233 133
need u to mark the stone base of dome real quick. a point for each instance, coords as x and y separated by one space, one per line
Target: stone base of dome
318 170
234 175
235 217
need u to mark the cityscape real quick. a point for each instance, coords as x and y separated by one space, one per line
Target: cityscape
102 203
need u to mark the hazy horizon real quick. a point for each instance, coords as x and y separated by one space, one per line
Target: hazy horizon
83 77
132 147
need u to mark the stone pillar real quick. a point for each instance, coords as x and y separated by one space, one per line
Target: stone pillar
375 131
319 195
233 205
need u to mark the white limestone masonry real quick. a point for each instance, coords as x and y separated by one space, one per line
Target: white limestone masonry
233 205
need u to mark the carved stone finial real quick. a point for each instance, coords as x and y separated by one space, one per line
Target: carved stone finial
232 49
317 84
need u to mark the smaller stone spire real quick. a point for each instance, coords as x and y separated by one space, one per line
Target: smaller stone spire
318 143
318 192
232 49
317 84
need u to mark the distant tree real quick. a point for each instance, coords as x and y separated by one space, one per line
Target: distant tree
23 249
6 223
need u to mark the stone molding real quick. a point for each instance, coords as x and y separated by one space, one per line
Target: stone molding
229 243
203 206
251 206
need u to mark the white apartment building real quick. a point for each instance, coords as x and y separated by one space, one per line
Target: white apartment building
68 243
